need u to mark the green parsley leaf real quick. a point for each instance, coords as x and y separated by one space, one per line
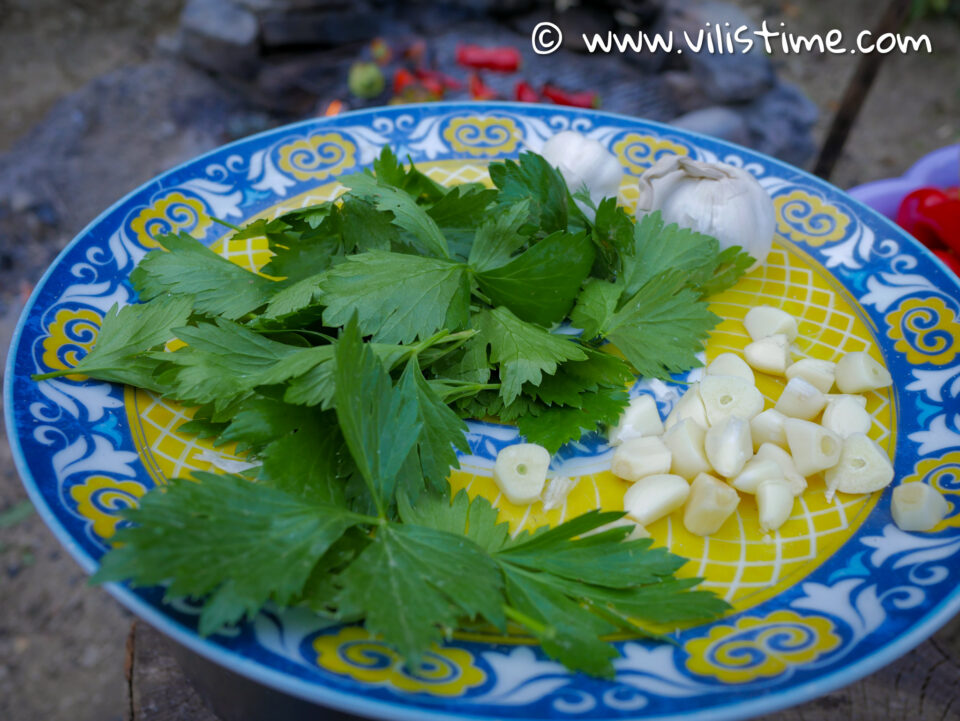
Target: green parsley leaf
413 582
541 284
241 542
567 631
221 361
370 412
125 335
613 233
662 327
553 426
406 213
475 519
660 248
442 432
731 264
260 420
186 266
595 305
397 297
498 237
308 462
524 351
533 180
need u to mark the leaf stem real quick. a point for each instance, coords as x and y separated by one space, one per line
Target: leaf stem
540 629
53 374
233 227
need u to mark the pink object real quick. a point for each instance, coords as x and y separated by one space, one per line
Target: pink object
939 169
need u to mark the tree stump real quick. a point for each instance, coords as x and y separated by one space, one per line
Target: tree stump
923 685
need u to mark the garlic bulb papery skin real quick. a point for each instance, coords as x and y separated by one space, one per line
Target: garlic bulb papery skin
583 161
711 198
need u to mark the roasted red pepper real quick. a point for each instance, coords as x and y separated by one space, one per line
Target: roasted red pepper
500 59
584 99
525 93
402 79
932 216
437 79
479 90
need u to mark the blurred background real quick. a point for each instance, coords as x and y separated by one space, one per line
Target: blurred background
98 96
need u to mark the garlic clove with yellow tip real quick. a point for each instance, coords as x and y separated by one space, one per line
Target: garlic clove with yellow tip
712 198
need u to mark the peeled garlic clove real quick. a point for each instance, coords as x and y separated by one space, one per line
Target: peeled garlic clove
689 406
812 447
639 418
556 492
654 497
636 530
857 372
685 441
638 457
710 503
725 396
918 507
728 446
774 503
789 472
863 467
852 397
764 320
767 427
769 355
816 372
520 472
845 416
801 400
730 364
755 472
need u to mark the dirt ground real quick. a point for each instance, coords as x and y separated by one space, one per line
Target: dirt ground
61 642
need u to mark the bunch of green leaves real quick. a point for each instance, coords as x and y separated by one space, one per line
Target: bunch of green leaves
345 370
292 537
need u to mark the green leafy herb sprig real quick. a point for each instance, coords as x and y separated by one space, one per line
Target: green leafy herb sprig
345 371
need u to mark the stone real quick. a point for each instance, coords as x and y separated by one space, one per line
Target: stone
685 90
780 122
580 20
728 77
259 6
718 121
320 28
220 35
66 170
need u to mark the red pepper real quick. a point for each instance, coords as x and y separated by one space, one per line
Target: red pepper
433 86
584 99
504 59
479 90
951 260
932 216
442 79
525 93
402 79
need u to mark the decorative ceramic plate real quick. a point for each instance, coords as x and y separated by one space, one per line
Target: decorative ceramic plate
836 593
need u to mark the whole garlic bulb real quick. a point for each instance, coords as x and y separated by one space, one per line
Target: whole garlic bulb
711 198
583 161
